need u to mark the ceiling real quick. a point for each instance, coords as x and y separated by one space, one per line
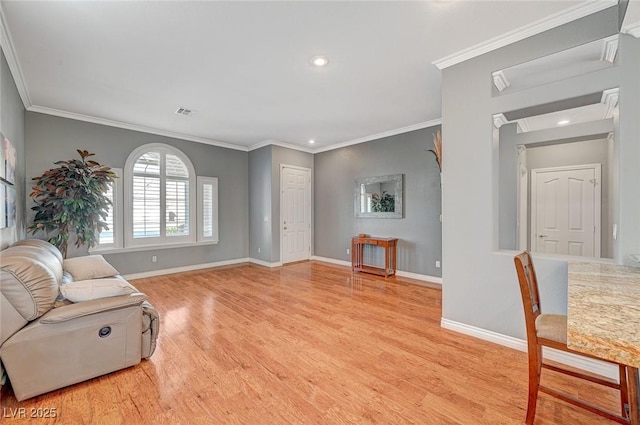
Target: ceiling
244 68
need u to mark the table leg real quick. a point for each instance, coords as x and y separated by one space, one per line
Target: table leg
632 381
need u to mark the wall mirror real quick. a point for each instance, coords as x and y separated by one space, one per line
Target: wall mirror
378 197
558 191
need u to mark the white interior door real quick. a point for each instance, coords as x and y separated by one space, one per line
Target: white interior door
295 213
565 210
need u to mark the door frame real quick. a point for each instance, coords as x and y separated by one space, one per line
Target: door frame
309 203
597 203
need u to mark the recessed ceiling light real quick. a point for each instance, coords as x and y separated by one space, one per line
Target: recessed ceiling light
563 122
319 61
311 142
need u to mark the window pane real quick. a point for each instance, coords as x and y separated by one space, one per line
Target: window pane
207 210
148 163
175 167
177 201
106 236
146 206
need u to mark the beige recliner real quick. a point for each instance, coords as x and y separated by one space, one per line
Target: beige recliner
46 345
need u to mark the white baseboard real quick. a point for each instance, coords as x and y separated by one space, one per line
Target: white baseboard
186 268
423 277
331 260
264 263
594 366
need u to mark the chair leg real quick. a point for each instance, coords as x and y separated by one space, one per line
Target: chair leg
535 369
624 392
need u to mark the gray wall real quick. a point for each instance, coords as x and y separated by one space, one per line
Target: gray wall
419 231
12 126
260 215
479 283
50 138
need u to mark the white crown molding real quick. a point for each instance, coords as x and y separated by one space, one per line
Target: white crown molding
524 125
499 120
128 126
610 98
594 366
500 80
609 49
14 66
270 142
632 29
555 20
388 133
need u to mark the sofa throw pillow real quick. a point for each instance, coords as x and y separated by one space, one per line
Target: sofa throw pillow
89 267
85 290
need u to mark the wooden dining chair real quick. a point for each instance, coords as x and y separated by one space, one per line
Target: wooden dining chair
550 330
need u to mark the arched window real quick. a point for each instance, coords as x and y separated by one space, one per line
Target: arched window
160 197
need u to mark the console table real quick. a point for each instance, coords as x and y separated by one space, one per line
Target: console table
357 255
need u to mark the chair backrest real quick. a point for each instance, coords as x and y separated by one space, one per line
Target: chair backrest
529 290
30 274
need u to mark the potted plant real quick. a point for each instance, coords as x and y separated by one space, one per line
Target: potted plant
72 198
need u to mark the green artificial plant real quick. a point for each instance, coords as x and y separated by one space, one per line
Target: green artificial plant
384 203
72 198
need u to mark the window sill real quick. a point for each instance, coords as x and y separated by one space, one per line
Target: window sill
110 250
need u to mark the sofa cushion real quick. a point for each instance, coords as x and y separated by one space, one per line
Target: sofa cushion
85 290
89 267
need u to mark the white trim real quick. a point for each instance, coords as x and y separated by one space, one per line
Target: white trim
264 263
632 29
499 120
610 98
270 142
524 125
609 49
416 276
537 27
500 80
388 133
399 273
107 251
182 136
183 269
331 261
14 66
594 366
308 208
133 127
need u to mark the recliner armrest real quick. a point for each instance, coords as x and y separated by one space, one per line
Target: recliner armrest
86 308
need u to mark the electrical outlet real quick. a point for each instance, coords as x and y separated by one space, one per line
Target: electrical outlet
437 264
154 258
258 250
348 251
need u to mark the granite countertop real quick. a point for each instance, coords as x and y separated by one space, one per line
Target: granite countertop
603 317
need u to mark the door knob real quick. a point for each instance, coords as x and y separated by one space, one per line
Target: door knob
285 228
542 236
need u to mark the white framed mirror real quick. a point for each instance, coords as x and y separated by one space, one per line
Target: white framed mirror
378 197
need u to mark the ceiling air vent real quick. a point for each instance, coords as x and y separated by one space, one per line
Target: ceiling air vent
184 111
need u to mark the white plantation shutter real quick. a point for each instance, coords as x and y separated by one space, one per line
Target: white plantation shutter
111 237
161 209
207 209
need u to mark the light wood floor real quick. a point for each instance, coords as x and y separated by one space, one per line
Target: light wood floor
307 343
